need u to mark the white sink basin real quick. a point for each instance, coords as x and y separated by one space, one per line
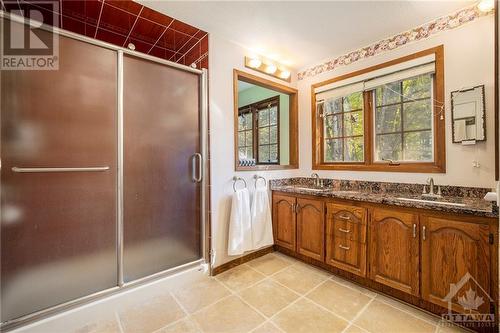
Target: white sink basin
312 189
434 202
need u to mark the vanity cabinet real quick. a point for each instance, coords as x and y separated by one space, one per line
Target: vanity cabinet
346 238
414 254
299 225
284 220
454 252
311 228
394 249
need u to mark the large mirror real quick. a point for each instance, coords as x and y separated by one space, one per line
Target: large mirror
265 124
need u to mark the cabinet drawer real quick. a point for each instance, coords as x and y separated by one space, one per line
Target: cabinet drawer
347 254
346 251
351 230
348 221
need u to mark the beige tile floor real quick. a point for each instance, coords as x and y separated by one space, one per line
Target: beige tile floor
273 293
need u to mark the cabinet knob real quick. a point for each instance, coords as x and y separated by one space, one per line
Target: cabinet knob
344 230
414 230
423 232
344 247
344 217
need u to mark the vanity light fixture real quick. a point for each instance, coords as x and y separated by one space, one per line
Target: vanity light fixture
284 74
254 62
486 5
271 69
268 67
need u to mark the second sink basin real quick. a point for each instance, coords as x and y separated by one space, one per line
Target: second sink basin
433 202
312 189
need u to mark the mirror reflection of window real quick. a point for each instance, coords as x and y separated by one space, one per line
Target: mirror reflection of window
245 134
263 126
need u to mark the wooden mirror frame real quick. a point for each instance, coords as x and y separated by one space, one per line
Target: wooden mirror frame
293 121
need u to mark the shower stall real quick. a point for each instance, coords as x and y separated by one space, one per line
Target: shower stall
102 175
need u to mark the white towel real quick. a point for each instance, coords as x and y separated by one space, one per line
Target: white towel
262 227
240 224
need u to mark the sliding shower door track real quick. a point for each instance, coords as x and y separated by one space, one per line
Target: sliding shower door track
58 309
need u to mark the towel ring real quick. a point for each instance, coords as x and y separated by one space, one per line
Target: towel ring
257 178
235 180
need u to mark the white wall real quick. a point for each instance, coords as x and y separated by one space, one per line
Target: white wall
224 56
469 61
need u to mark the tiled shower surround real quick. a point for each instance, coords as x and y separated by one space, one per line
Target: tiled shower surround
120 23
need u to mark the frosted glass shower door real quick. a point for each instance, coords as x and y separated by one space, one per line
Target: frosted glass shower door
58 180
161 198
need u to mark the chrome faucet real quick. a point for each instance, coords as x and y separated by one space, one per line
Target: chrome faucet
431 193
317 181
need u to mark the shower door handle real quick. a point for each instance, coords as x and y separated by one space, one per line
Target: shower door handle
197 167
81 169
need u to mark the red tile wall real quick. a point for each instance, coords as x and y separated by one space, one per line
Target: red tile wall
121 23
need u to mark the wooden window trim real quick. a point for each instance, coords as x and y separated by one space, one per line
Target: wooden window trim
254 108
439 163
293 121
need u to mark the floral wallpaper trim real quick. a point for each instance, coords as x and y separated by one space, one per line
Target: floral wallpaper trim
444 23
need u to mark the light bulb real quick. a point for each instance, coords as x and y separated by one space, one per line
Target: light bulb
271 69
284 74
255 63
486 5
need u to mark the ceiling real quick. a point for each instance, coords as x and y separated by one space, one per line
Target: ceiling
242 86
302 33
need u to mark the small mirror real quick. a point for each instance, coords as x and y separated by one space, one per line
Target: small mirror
265 124
468 112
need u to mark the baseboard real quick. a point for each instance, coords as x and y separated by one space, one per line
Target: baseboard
241 260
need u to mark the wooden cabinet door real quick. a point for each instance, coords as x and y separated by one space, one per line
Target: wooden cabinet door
284 220
394 249
455 255
346 238
311 228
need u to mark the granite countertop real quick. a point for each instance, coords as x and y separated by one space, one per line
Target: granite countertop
474 204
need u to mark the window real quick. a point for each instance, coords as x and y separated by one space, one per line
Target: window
387 117
403 120
258 131
268 133
245 133
343 129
